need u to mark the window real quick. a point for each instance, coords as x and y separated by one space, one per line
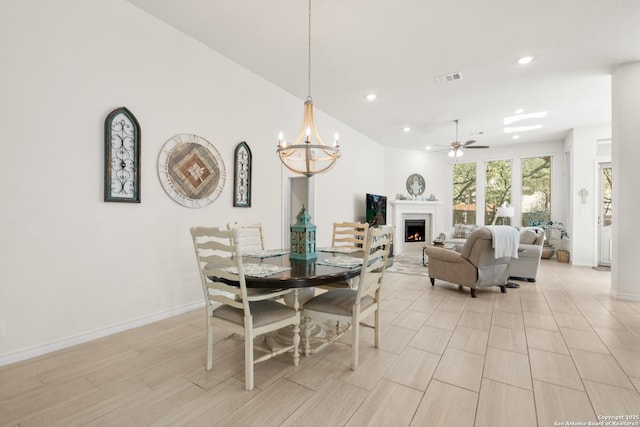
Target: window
464 193
497 189
536 189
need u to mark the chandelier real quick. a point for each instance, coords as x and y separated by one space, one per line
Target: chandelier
308 155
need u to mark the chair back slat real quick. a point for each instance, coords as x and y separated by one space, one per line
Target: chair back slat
349 234
216 250
376 254
250 238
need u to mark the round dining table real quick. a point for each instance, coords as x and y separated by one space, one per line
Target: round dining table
302 273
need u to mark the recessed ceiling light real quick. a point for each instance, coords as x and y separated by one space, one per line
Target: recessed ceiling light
516 137
428 147
406 129
525 60
519 111
371 97
521 128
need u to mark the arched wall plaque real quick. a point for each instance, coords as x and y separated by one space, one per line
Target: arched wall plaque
191 170
242 176
121 157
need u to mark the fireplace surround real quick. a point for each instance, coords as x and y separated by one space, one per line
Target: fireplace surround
412 211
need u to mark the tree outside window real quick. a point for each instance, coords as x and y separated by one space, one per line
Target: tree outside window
497 189
536 189
464 193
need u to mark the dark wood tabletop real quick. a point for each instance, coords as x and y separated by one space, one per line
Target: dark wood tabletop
303 274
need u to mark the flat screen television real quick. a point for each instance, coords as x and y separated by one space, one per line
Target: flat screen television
376 212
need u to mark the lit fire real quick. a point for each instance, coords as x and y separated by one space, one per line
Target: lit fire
414 237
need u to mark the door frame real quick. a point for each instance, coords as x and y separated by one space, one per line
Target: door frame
599 261
287 217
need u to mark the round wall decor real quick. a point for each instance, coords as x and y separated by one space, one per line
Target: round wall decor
415 184
191 170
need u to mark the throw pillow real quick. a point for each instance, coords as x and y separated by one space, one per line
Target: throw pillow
462 231
528 237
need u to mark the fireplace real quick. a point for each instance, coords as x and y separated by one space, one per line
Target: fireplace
413 210
414 230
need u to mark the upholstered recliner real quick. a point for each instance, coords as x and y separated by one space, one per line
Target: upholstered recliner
525 267
474 266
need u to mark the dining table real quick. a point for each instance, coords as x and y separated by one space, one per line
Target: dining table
332 265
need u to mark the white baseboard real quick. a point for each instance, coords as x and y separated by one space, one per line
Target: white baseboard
625 297
90 336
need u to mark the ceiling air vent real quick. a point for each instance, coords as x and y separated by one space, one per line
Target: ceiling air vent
446 78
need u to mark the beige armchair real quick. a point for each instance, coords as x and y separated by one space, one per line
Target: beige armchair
525 267
474 266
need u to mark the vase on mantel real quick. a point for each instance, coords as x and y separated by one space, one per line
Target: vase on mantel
548 251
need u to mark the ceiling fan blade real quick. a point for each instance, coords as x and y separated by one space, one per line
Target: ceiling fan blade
471 141
478 146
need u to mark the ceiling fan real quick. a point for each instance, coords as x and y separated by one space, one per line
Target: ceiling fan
457 146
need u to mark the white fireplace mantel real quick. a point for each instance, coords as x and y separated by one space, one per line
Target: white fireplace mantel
408 208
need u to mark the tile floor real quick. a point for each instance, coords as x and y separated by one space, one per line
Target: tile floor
553 351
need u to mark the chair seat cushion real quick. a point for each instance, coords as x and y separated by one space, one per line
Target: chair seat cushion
263 312
338 302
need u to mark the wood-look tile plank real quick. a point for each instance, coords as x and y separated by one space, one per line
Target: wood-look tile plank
601 368
508 320
554 368
583 340
508 339
628 360
508 367
411 320
471 340
388 404
443 320
573 321
394 339
413 368
371 370
270 407
460 368
475 320
502 405
557 404
446 405
546 340
431 339
151 407
89 406
333 404
42 398
540 321
618 338
612 400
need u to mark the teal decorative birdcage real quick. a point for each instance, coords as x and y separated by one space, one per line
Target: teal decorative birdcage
303 237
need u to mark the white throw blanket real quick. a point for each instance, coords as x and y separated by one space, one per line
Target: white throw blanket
506 240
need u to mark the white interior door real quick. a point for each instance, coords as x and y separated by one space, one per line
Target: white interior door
605 245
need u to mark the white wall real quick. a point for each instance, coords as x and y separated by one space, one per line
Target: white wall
626 174
583 218
73 267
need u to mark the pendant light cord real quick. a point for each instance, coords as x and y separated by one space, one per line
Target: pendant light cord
309 56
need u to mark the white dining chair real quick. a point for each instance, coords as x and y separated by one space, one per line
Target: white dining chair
250 238
230 307
348 306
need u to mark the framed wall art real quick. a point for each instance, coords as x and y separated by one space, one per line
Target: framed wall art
242 176
191 170
121 157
